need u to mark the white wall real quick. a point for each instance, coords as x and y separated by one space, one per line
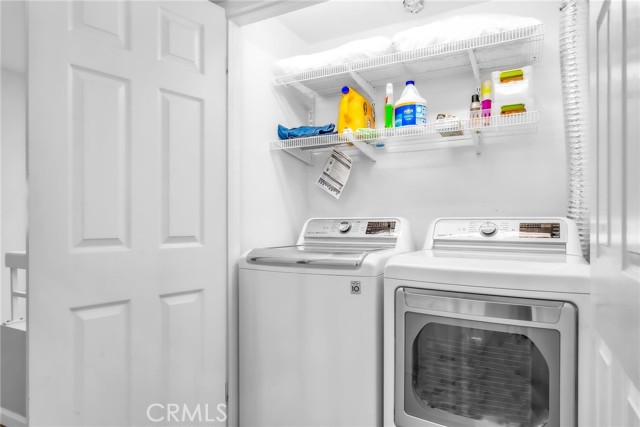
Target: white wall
13 151
523 175
266 206
13 140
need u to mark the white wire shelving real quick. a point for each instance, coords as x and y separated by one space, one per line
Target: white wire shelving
434 135
517 47
513 48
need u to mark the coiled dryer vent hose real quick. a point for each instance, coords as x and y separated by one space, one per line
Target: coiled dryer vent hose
574 69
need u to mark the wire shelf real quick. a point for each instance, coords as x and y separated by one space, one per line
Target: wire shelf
423 137
516 47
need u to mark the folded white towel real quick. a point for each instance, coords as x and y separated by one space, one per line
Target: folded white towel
352 51
457 28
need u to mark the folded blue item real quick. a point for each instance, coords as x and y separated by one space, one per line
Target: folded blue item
304 131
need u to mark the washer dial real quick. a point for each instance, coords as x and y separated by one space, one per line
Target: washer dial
344 226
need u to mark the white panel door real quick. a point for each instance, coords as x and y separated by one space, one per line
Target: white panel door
615 252
127 238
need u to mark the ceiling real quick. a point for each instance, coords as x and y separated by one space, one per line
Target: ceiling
331 19
344 16
244 12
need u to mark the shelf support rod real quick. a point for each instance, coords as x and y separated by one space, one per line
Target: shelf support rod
474 66
365 85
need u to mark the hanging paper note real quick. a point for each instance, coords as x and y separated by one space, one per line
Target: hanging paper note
335 173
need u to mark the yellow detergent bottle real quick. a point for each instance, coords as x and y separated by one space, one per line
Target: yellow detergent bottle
355 111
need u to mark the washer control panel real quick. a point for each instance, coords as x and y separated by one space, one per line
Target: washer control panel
353 228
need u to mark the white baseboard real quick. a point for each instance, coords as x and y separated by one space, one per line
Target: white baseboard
11 419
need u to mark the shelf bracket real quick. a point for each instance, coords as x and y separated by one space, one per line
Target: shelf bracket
308 93
307 102
365 85
476 136
368 150
303 156
474 66
309 98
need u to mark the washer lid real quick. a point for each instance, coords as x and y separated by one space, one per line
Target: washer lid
312 255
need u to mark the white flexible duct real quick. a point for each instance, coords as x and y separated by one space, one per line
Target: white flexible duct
574 69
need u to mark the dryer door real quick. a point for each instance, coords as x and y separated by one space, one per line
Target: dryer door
466 360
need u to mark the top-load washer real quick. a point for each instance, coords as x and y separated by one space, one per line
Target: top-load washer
487 326
310 325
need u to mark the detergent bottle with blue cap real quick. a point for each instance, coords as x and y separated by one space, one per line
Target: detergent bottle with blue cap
356 112
411 108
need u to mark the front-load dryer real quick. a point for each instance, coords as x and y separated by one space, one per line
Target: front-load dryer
487 326
310 325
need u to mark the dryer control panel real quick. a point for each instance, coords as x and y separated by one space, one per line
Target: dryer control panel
518 234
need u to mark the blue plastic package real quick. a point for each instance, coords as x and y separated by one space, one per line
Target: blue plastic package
305 131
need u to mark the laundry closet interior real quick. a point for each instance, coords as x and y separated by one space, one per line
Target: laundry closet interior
176 250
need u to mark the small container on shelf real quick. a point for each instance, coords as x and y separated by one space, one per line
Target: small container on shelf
475 110
486 102
411 108
512 92
355 112
448 125
388 107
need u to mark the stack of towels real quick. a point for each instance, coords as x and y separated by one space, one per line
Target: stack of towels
457 28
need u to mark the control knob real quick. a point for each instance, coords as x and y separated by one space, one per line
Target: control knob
488 229
344 226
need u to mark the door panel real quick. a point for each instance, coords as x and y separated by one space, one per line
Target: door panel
182 146
108 21
180 312
181 40
100 146
615 44
102 363
127 200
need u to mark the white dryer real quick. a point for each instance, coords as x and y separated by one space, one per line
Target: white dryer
487 326
310 325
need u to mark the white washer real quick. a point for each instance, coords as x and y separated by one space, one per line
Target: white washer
487 326
310 324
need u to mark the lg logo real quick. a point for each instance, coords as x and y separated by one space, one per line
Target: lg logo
355 287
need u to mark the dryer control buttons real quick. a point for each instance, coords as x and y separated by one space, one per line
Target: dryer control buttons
488 229
344 226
